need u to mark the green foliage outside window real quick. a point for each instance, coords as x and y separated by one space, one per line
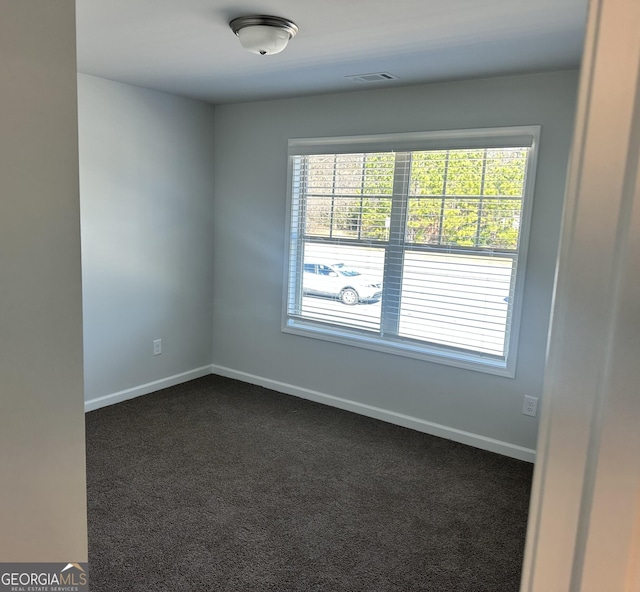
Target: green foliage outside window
458 198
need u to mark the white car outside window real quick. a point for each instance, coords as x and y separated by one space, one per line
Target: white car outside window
340 281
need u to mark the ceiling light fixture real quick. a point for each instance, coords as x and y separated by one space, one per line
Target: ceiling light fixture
262 34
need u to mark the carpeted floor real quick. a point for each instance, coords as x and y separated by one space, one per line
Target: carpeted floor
217 485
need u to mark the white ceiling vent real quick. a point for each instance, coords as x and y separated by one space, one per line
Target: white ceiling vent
374 77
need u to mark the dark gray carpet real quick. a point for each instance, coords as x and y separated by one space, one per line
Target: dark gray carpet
217 485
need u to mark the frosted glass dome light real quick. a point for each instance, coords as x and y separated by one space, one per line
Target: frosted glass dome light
264 35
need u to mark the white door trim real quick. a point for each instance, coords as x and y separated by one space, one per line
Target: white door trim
584 524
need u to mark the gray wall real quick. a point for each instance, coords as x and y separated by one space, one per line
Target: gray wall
249 236
146 187
42 464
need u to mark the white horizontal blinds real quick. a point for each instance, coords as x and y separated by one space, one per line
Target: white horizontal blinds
427 240
296 233
342 221
457 300
467 198
461 240
349 196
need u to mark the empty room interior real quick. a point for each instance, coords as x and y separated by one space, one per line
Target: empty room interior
318 257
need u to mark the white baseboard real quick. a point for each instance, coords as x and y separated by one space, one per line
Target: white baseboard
145 389
421 425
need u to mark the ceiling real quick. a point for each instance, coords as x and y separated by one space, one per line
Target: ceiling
186 46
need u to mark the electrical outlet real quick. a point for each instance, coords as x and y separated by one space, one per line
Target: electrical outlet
530 406
157 347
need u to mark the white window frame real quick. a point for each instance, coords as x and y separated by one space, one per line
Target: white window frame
432 140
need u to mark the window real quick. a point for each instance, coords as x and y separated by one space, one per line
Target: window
412 243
